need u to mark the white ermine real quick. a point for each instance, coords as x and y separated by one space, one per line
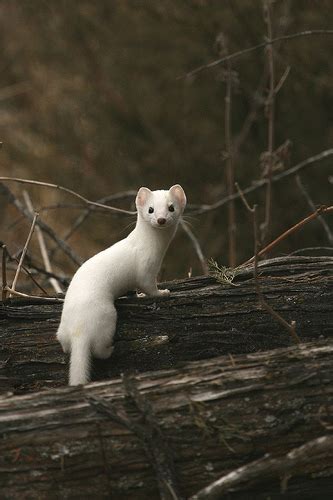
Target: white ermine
89 317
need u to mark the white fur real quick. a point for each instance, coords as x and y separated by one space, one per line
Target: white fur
88 320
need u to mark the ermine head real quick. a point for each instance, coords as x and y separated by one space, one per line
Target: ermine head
161 208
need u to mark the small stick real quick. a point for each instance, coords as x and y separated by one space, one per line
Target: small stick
313 207
24 251
43 299
254 48
43 250
62 244
196 246
291 328
87 211
257 102
229 155
12 258
291 230
270 108
312 160
282 80
4 272
311 249
82 217
32 277
69 191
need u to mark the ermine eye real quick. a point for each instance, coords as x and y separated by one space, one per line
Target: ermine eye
171 208
150 210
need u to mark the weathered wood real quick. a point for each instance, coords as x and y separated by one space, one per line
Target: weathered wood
269 467
201 319
216 415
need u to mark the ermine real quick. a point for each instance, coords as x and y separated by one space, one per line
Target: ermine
89 316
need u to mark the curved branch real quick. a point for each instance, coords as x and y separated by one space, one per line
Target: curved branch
261 183
69 191
242 52
266 467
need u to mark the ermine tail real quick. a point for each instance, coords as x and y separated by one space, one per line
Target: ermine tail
79 369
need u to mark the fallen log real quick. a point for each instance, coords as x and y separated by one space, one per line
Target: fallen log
213 417
201 319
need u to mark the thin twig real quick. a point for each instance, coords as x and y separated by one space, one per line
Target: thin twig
85 214
43 250
149 433
282 80
156 444
196 246
291 328
4 272
61 279
242 52
270 110
69 191
242 197
291 230
312 160
62 244
25 295
311 249
230 167
25 269
313 207
24 251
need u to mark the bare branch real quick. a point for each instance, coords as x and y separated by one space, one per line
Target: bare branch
291 328
24 295
261 183
64 247
313 207
42 246
230 175
291 230
4 272
149 433
270 110
282 80
26 270
242 52
69 191
311 249
24 251
196 246
242 197
85 214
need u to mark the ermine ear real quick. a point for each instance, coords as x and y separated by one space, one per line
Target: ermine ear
178 193
142 196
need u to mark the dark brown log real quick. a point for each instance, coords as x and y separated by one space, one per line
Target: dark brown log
201 319
267 467
215 416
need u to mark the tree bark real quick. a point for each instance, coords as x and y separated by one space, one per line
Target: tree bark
212 417
201 319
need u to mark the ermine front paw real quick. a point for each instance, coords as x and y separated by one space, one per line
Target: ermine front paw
141 295
165 292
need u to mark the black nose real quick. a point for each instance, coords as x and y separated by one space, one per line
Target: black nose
161 221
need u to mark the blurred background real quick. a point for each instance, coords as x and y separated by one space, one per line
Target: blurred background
99 97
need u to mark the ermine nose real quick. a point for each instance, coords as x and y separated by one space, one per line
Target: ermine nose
161 221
